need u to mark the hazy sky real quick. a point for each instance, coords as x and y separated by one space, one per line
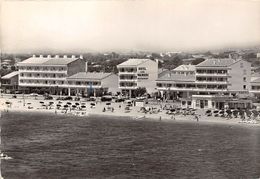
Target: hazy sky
104 25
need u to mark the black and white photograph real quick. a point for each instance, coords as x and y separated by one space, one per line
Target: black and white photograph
122 89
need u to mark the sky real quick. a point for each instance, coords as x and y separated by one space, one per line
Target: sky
128 25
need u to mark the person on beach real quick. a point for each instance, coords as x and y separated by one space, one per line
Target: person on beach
196 117
160 118
104 110
112 109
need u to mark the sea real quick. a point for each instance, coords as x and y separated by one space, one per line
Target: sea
58 146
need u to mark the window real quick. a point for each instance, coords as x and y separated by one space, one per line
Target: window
244 71
22 74
244 87
206 103
244 79
197 103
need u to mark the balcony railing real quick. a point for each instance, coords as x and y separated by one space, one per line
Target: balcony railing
191 89
42 78
211 82
212 74
42 84
41 71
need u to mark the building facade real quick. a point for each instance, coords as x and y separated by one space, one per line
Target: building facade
92 84
9 82
135 73
50 72
226 77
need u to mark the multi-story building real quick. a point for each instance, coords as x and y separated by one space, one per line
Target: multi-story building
135 73
211 77
49 72
9 82
184 70
87 83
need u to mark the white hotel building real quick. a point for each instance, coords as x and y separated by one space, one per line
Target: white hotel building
49 72
211 80
135 73
63 75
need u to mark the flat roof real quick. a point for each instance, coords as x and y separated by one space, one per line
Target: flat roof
177 77
48 60
10 75
89 76
185 68
222 62
133 62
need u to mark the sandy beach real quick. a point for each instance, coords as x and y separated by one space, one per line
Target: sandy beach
38 104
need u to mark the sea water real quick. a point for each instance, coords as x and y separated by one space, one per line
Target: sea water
59 146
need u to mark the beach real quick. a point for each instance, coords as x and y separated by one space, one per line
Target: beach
27 103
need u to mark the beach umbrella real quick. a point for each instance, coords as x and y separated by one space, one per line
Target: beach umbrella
51 103
60 102
83 106
58 105
41 102
74 106
92 104
108 103
65 106
172 110
216 111
68 103
77 104
29 103
7 102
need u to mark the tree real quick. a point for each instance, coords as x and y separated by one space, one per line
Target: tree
140 91
197 61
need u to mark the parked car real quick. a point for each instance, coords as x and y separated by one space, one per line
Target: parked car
77 98
67 98
118 100
91 99
48 97
106 98
34 94
60 98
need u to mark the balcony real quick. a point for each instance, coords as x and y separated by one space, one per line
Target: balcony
25 84
41 78
42 71
83 86
212 74
212 82
128 87
191 89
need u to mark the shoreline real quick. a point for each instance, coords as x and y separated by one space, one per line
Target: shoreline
118 112
179 119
